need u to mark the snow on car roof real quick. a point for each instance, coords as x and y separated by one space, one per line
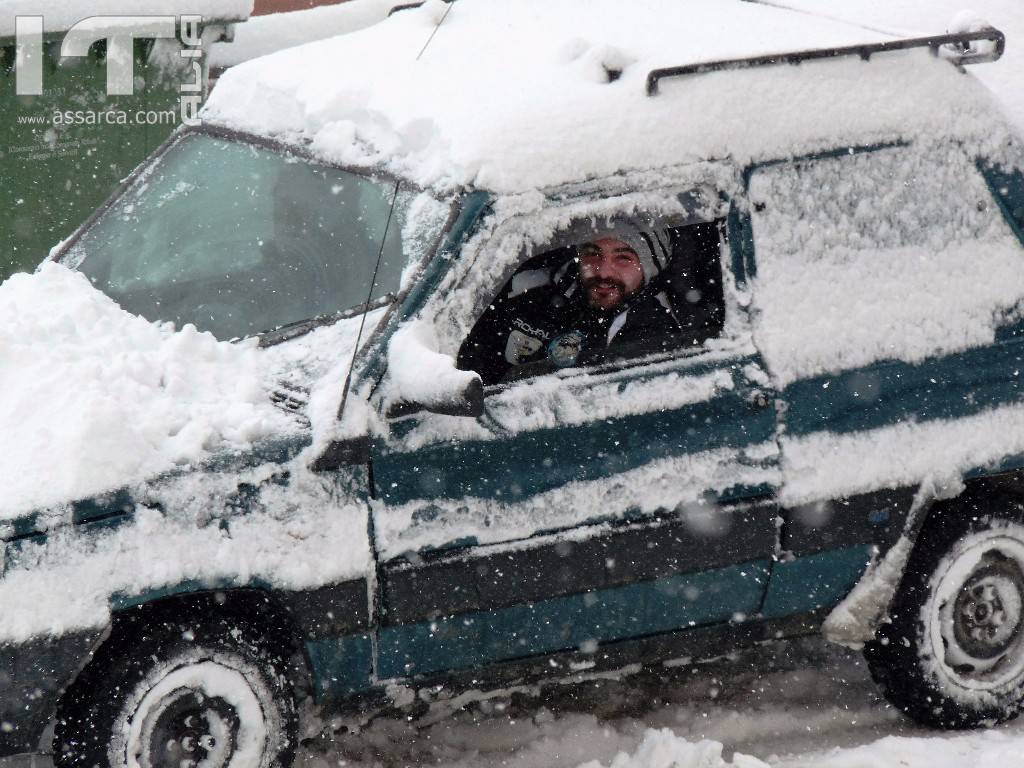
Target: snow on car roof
911 17
59 17
511 95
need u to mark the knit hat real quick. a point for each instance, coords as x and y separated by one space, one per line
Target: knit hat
644 242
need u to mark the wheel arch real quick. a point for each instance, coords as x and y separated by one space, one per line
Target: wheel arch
259 615
260 607
855 620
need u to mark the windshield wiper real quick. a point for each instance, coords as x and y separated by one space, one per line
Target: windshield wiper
299 327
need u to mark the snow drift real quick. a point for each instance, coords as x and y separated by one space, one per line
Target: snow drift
92 398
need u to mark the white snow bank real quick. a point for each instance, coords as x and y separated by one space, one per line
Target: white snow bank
266 34
663 749
93 398
60 16
512 96
986 749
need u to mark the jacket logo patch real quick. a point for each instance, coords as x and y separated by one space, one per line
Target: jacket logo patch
565 350
525 327
520 347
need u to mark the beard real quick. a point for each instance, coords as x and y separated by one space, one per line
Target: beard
611 301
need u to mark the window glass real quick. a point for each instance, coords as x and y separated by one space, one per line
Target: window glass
898 253
239 239
602 290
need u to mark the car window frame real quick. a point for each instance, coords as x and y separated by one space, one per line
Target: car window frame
733 337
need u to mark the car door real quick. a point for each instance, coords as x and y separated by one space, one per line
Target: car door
886 297
583 507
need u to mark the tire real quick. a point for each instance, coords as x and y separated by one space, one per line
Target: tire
953 654
207 694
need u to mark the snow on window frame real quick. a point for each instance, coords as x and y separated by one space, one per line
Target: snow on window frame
467 289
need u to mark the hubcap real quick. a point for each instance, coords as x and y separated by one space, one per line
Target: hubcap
193 731
204 713
987 614
981 614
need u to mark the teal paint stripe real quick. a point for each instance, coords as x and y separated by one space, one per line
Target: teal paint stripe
119 601
109 505
636 610
886 393
814 581
730 495
1007 464
340 666
514 468
118 506
1007 187
741 244
25 525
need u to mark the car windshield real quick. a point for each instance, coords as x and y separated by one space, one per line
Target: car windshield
239 239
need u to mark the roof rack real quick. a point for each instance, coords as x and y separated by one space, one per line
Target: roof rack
955 48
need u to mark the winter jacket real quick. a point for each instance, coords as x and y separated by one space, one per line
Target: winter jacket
549 326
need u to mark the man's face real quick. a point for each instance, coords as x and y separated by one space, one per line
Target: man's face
610 271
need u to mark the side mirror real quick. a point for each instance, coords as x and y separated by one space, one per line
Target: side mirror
465 400
421 378
469 401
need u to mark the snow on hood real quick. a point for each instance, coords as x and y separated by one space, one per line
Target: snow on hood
60 16
513 95
93 398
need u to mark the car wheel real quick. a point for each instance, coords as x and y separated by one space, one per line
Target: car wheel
211 695
953 654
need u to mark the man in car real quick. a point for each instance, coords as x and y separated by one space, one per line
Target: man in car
600 298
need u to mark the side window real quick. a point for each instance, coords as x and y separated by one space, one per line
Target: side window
602 290
894 254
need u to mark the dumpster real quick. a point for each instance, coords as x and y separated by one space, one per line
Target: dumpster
62 152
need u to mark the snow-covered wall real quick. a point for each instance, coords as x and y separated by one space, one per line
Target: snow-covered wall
60 16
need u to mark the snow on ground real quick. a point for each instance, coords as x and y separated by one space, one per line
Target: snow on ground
801 705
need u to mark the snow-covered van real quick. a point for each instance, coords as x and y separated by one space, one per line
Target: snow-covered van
501 341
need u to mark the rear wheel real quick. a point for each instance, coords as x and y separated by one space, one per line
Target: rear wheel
211 695
953 654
